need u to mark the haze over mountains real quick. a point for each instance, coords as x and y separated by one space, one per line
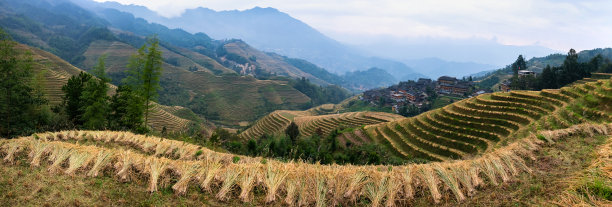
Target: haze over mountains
271 30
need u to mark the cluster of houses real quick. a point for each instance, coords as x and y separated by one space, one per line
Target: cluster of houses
454 86
417 92
505 85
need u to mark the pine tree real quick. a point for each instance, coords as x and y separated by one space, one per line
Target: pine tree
17 97
144 71
72 100
150 75
548 79
95 100
519 64
127 110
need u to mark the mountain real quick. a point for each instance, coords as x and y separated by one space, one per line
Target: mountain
436 67
269 30
192 78
474 50
371 78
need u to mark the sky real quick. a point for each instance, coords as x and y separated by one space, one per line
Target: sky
556 24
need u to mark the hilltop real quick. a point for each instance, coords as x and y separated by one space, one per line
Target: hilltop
561 157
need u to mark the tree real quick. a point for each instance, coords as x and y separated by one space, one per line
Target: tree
95 100
72 99
571 70
548 79
150 75
127 110
519 64
292 131
144 71
17 96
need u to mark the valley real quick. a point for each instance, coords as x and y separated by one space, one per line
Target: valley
151 104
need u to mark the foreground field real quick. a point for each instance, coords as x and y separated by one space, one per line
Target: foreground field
78 168
559 157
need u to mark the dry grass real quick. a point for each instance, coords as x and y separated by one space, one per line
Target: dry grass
299 183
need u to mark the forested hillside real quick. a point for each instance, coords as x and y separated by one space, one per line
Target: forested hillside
196 76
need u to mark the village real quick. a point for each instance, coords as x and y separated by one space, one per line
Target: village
420 94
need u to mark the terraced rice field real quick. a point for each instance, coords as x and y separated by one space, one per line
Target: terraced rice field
276 122
225 177
161 116
57 72
471 130
476 125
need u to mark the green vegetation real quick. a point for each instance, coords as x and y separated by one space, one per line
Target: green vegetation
319 94
442 101
477 124
95 104
86 100
144 71
21 105
359 105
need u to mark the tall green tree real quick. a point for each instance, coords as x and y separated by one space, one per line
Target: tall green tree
144 71
127 112
17 96
548 79
519 64
95 99
571 70
73 97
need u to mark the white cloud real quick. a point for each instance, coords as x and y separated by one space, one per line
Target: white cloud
556 24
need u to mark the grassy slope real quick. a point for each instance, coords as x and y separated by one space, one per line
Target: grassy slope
272 63
558 168
235 98
554 166
57 72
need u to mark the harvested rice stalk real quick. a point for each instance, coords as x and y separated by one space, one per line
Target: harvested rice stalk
321 191
187 171
499 168
229 181
57 157
161 148
463 176
77 160
520 162
376 189
12 149
273 180
406 179
393 190
508 161
156 167
292 186
489 170
102 159
124 164
355 184
247 182
39 148
450 180
428 176
208 173
337 184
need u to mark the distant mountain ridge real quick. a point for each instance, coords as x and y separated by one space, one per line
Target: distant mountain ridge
269 30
